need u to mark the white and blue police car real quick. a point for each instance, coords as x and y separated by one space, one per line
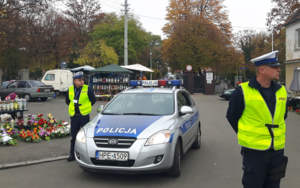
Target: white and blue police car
143 129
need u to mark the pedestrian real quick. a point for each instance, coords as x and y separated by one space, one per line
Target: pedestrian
257 112
238 83
80 99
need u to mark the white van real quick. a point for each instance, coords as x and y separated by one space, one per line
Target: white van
60 79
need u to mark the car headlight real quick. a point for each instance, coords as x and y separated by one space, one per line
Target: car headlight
80 136
159 138
227 92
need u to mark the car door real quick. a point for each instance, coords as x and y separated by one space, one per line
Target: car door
20 90
63 80
194 117
184 120
10 89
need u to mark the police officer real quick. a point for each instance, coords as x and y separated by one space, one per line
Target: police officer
257 112
80 99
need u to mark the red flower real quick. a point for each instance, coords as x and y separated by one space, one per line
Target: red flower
20 135
290 108
297 110
41 122
40 115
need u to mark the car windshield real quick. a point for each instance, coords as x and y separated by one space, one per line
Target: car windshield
36 83
141 104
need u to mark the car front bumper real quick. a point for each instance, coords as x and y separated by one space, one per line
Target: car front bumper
141 156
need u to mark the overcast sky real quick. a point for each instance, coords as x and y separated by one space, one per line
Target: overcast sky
242 13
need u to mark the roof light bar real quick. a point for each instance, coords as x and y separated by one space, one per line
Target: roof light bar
155 83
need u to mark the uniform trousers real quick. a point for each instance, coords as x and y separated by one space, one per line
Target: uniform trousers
258 165
76 123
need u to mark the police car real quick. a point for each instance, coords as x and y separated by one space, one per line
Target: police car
141 130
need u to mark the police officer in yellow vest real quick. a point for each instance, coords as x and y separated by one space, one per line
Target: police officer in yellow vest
80 99
257 112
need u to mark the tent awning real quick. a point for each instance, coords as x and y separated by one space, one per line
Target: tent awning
112 68
138 67
295 86
83 68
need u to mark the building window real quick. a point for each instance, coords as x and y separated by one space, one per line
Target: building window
50 77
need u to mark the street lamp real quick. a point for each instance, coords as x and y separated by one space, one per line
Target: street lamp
150 64
272 30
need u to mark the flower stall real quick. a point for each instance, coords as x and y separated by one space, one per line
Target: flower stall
108 81
31 128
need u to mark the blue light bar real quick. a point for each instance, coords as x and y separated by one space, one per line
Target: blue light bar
155 83
174 83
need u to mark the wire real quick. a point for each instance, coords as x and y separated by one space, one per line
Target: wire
114 5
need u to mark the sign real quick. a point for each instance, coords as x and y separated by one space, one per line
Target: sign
243 67
209 76
189 67
149 82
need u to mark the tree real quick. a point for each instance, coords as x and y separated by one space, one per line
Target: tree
82 16
280 12
211 10
201 44
97 54
112 32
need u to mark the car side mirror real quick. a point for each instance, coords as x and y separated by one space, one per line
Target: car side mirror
186 110
100 108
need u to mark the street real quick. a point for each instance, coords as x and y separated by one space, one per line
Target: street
217 164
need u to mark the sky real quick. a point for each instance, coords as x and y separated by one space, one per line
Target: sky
242 13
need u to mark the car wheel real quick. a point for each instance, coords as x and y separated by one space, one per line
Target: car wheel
197 142
57 93
44 98
27 97
174 171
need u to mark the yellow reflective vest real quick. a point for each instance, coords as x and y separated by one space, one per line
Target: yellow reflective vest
85 105
253 131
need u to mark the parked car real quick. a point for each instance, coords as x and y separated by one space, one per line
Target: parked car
29 89
226 94
60 79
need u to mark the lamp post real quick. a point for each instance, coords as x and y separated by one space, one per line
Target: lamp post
272 30
150 64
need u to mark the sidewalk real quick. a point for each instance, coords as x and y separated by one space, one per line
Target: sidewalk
56 148
25 152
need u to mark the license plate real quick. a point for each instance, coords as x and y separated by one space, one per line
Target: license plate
112 156
46 90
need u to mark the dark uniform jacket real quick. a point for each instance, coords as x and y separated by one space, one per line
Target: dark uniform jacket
237 104
90 94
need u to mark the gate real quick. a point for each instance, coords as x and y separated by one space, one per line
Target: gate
199 84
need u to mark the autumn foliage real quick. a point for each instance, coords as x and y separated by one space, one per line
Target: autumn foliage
199 34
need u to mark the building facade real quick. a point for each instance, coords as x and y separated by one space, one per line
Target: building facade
292 47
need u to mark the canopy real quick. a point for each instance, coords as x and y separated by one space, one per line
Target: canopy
85 68
295 82
138 67
112 68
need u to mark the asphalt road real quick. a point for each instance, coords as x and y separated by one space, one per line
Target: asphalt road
217 164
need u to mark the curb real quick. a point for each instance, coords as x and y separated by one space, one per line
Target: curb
27 163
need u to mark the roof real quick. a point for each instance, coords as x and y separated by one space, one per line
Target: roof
293 18
138 67
112 68
82 68
149 90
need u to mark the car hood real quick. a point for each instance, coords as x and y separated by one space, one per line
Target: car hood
127 125
230 90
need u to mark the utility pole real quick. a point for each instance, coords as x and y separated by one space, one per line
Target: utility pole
157 65
272 30
150 64
126 34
